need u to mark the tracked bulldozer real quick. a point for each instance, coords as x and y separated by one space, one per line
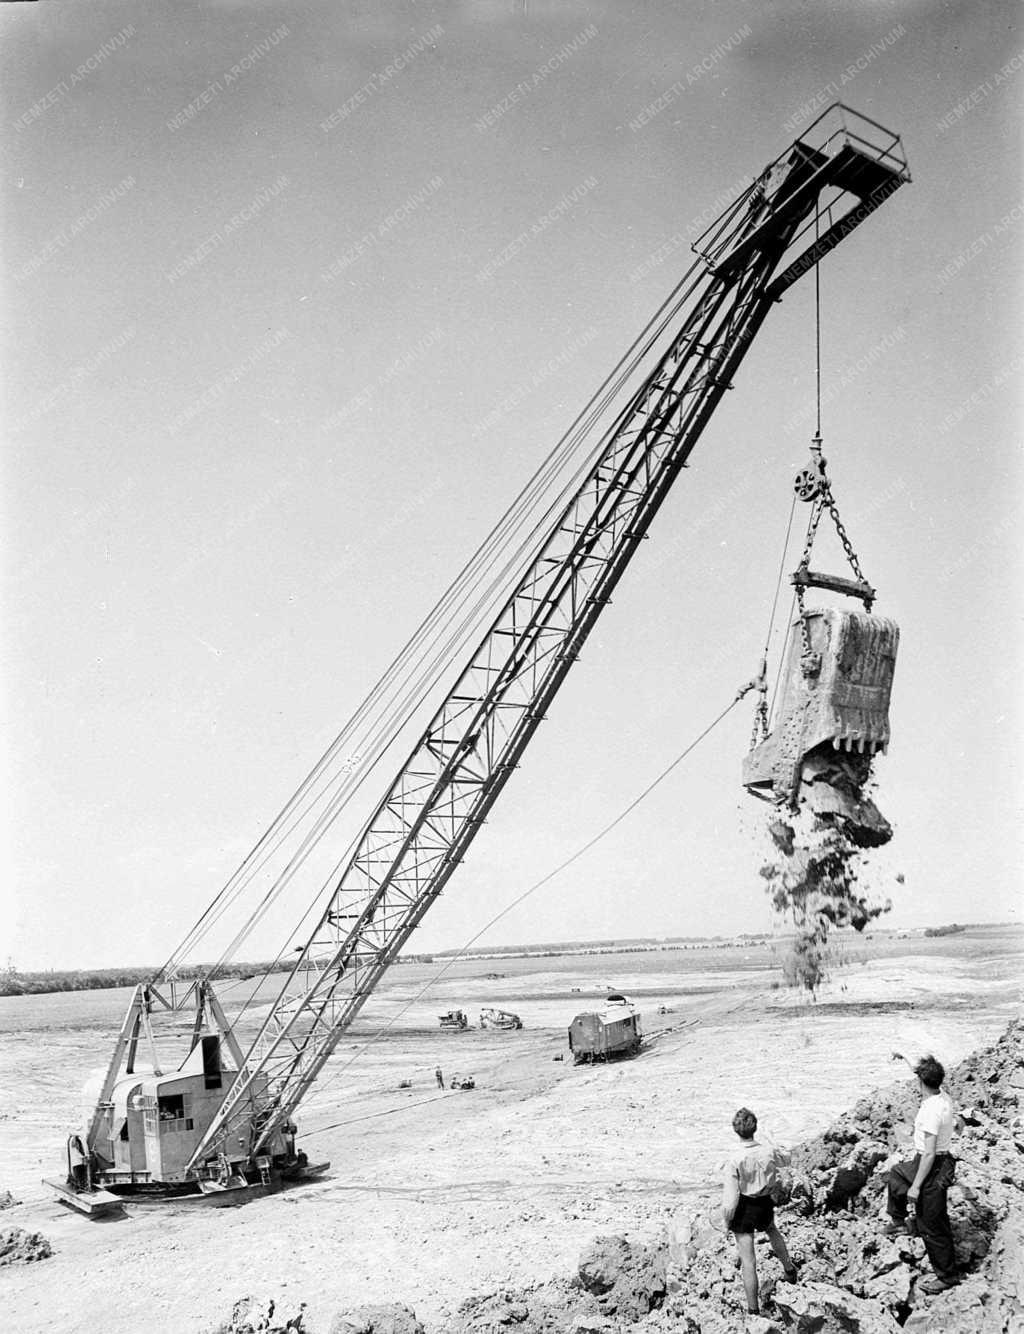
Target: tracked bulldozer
504 1019
454 1021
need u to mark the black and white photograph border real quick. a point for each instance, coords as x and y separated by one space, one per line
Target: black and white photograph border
384 380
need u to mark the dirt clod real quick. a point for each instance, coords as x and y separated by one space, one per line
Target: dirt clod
18 1247
628 1280
391 1318
262 1315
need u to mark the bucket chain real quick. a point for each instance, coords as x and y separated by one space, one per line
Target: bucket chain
851 555
811 661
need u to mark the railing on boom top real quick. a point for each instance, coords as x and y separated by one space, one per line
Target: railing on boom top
837 127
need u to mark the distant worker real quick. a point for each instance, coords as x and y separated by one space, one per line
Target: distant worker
78 1164
923 1181
439 1076
751 1174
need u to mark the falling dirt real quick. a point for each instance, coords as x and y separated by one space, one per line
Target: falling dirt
813 878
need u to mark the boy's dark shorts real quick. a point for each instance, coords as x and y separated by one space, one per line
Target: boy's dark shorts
754 1213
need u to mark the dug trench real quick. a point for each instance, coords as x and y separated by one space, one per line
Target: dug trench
853 1279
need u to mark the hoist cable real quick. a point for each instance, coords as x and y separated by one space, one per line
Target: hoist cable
792 505
764 708
782 656
817 322
782 570
520 898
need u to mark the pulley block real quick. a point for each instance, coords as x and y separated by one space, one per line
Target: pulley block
810 481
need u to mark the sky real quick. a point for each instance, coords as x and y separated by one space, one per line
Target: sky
275 363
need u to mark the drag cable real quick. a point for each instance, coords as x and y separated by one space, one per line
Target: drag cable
602 833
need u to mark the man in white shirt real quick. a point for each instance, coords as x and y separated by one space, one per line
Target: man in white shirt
923 1181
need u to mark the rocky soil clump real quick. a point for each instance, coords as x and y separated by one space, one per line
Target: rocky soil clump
18 1247
262 1315
391 1318
853 1279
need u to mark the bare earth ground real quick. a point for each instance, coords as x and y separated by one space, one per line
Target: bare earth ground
433 1197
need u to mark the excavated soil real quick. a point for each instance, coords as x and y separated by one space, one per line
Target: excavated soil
18 1247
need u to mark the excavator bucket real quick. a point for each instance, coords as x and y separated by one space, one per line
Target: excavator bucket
832 718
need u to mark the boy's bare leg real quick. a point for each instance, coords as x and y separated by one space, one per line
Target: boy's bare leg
748 1267
779 1247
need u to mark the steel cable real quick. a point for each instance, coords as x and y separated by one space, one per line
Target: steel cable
520 898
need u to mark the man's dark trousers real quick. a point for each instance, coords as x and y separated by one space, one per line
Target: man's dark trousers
932 1215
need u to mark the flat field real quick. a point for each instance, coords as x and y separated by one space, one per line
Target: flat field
433 1196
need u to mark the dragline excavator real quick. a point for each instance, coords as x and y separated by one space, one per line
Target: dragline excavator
220 1116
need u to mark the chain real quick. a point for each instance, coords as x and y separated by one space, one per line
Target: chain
824 501
807 656
760 684
760 731
851 555
812 527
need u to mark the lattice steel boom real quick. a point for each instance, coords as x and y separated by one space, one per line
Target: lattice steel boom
429 816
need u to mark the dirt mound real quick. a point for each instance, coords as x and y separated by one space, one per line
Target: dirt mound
617 1283
18 1247
835 1205
627 1280
389 1319
262 1315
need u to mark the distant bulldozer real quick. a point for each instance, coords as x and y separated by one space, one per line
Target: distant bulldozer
499 1019
454 1021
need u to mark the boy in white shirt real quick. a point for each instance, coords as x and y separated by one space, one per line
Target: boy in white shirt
923 1181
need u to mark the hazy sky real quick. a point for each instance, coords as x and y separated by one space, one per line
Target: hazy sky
226 506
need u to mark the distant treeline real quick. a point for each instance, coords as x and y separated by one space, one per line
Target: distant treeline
952 930
555 951
13 983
